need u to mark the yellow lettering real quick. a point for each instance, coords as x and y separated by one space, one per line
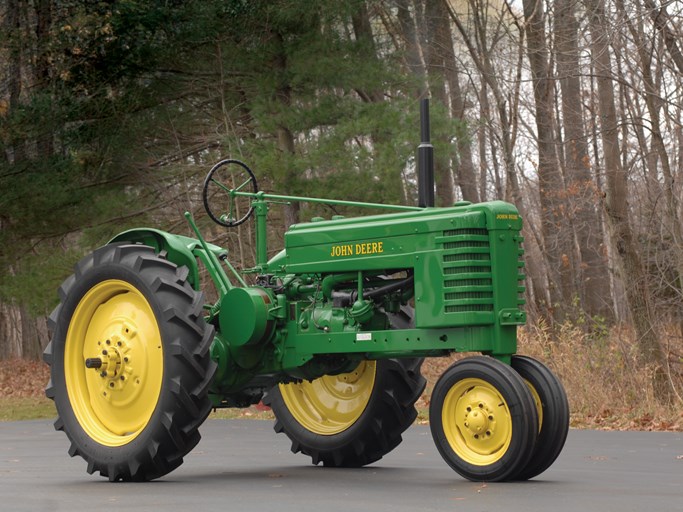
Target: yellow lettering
507 216
341 250
356 249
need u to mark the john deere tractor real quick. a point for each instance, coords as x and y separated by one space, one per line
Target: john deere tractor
331 332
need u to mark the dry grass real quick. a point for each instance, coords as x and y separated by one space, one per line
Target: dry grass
23 379
607 387
22 390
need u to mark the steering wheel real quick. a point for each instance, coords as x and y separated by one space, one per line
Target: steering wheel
224 178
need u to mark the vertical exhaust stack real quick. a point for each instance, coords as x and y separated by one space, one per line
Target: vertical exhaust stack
425 160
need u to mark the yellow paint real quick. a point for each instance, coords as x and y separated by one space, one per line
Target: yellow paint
537 402
477 422
333 403
507 216
357 249
115 323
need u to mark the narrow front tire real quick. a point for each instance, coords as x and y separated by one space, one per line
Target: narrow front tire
553 412
483 419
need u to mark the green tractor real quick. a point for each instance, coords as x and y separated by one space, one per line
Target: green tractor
331 335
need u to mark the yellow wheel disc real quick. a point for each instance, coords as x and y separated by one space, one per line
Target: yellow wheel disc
477 422
537 403
331 404
114 329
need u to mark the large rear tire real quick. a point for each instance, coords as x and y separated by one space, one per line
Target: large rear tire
130 363
352 419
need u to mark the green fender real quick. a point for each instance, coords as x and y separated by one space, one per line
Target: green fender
181 250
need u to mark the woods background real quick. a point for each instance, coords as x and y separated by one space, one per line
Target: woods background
112 112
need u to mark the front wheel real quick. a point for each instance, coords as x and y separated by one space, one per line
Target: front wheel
483 419
553 414
352 419
130 363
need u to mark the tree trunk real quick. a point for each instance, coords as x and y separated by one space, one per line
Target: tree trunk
412 54
617 206
661 19
17 144
653 101
481 56
10 331
465 176
34 335
593 274
285 138
362 29
21 334
43 9
434 62
553 224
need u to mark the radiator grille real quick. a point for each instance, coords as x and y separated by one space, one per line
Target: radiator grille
467 278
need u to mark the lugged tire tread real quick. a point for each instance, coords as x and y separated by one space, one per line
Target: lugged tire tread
175 432
390 411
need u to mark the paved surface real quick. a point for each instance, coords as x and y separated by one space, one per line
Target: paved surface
241 465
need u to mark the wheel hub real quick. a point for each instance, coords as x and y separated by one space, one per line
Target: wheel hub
476 421
114 362
479 421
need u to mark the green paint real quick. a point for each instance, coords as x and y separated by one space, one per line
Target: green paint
325 301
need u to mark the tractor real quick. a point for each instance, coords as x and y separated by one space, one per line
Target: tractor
330 332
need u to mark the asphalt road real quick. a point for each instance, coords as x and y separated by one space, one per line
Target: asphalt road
241 465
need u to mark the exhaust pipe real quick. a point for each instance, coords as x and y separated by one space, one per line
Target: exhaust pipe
425 160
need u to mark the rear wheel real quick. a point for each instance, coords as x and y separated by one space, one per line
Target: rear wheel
553 412
352 419
483 419
130 363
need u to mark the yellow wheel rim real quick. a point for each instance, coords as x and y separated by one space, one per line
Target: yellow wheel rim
331 404
114 326
477 422
537 402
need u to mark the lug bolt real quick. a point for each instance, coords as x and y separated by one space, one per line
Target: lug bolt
103 374
93 362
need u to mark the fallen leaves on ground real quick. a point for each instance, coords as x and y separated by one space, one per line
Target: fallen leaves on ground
23 379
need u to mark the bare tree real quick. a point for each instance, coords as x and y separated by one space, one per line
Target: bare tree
617 205
582 190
